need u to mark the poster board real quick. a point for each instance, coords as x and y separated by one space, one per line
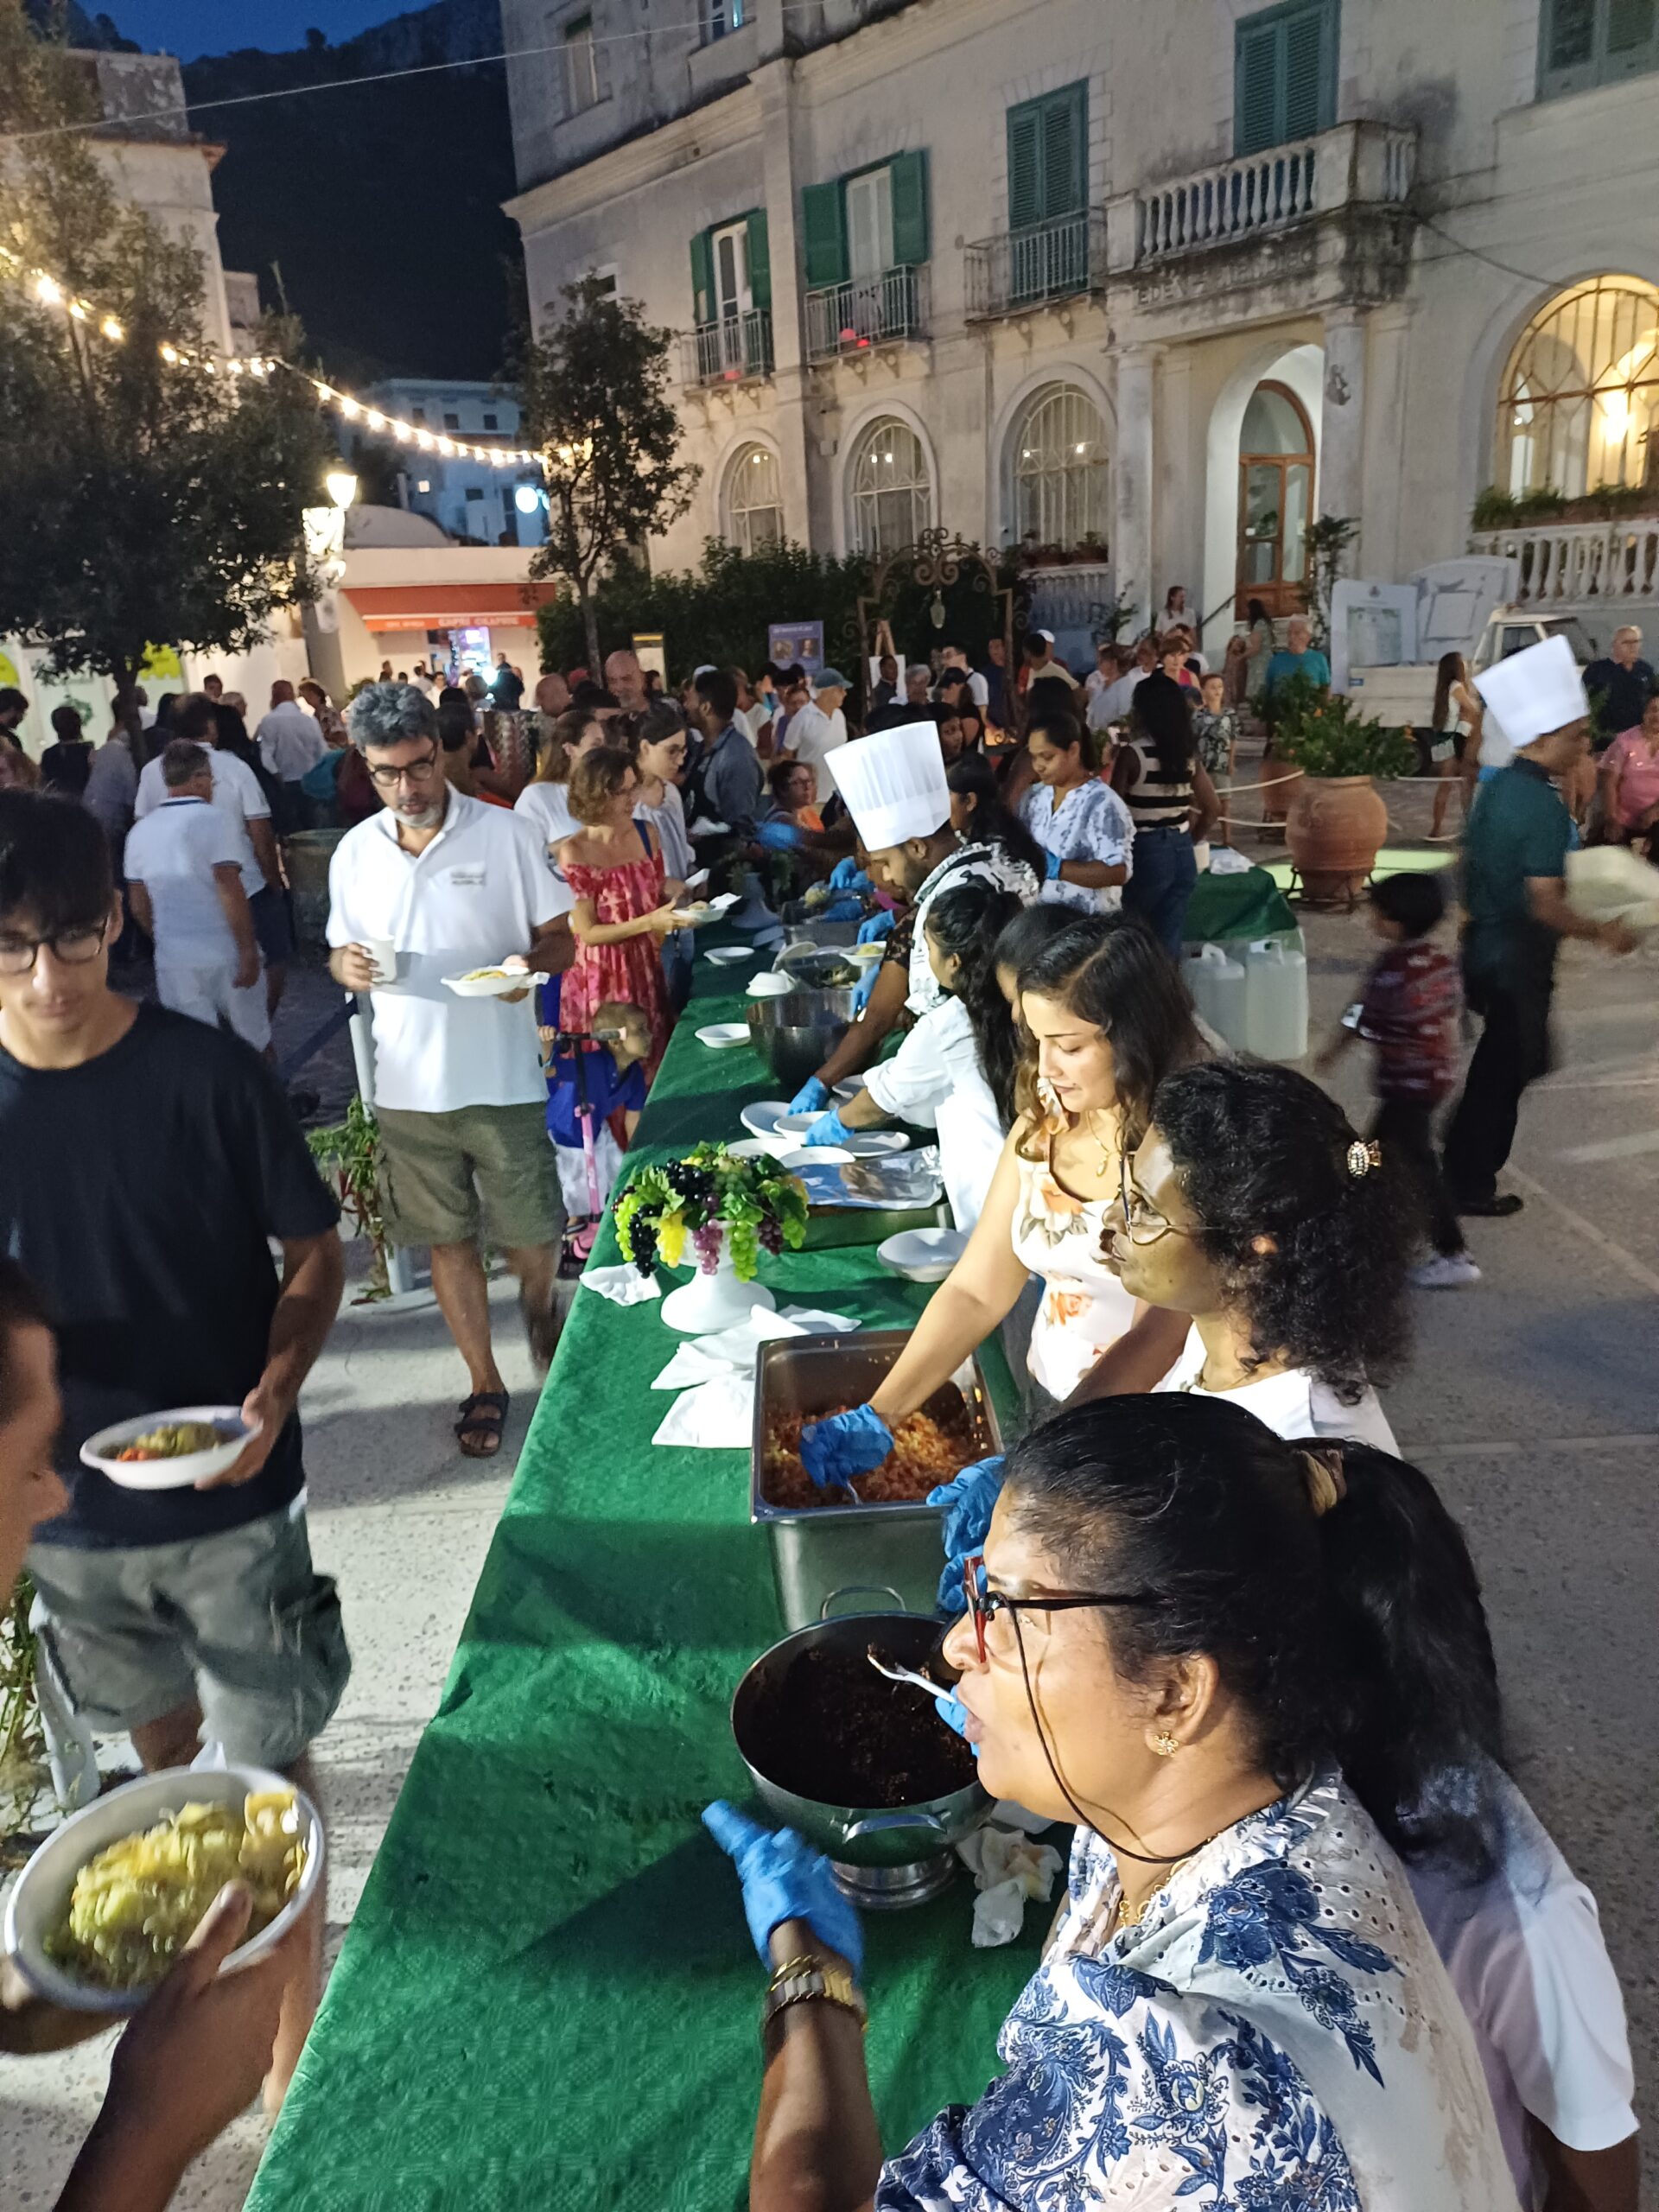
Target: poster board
789 642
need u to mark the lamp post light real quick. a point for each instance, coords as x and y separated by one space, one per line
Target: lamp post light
341 487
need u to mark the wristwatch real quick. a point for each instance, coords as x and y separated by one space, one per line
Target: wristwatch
800 1978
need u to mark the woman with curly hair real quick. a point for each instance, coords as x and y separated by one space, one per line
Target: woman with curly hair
1251 1205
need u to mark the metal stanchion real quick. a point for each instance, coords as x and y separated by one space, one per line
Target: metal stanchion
399 1277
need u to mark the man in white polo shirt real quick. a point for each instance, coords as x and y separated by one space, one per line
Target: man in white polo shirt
184 873
443 884
818 730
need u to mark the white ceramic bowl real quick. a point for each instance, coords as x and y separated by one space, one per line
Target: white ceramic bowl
760 1116
876 1144
795 1125
814 1155
730 955
491 984
769 984
100 1450
724 1034
923 1254
754 1148
41 1896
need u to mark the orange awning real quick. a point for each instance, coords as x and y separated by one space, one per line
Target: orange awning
450 607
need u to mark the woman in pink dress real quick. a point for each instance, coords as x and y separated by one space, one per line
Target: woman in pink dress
624 905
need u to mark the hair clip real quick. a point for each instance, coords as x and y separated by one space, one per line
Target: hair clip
1363 1157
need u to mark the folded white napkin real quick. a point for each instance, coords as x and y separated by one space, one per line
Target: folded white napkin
1007 1868
717 1417
623 1286
705 1359
1225 861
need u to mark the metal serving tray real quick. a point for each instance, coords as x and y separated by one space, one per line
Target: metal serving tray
868 1554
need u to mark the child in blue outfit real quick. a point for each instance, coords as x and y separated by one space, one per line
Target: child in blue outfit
593 1099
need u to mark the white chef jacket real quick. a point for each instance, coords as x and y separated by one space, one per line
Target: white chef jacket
480 890
934 1079
236 792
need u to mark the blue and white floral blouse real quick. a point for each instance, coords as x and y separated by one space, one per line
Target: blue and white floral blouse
1092 823
1276 2035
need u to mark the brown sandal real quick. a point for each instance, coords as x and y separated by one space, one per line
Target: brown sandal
484 1416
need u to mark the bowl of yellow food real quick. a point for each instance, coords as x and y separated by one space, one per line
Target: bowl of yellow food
492 982
166 1451
108 1902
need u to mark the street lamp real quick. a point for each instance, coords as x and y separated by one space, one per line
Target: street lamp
342 486
527 498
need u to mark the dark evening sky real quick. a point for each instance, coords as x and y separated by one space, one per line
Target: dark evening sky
188 28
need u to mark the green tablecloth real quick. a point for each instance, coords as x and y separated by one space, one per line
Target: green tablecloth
1250 904
548 1995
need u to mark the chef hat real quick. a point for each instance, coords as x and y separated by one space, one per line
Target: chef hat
1533 692
893 784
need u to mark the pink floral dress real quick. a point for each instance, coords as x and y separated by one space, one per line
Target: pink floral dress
631 969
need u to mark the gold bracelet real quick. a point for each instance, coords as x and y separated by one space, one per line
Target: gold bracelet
799 1979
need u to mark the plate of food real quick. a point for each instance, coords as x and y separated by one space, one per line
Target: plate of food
167 1450
731 956
866 954
923 1254
694 913
491 982
723 1034
108 1902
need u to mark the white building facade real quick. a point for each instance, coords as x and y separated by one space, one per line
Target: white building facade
1144 290
461 494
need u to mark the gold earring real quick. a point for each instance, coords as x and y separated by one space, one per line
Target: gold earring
1165 1745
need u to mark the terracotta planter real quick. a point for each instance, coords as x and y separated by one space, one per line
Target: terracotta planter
1334 831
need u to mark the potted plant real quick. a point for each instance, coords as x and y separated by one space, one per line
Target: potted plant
349 1154
1337 820
727 1211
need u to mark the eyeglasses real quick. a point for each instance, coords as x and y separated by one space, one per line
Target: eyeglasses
1143 1223
414 772
984 1603
74 947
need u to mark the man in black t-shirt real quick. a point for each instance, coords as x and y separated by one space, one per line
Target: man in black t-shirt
145 1161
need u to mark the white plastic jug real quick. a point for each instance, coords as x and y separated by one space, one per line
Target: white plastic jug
1275 1000
1217 985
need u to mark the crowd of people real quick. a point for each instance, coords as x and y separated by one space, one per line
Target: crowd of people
1203 1611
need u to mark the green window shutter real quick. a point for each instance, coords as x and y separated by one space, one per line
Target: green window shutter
1065 138
1256 92
1305 72
1630 31
1025 166
1569 33
824 235
760 260
703 280
908 175
1284 74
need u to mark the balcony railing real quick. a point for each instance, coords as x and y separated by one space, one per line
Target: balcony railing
1077 597
1260 194
1570 564
867 312
1024 269
736 350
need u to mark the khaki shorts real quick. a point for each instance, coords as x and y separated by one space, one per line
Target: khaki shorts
440 1171
240 1621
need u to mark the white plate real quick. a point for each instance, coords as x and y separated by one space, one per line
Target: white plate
491 984
38 1900
702 911
753 1148
762 1116
876 1144
923 1254
769 984
729 956
814 1155
100 1450
721 1034
795 1125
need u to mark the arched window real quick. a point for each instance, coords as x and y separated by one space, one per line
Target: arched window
1579 396
1276 489
1059 455
754 507
889 495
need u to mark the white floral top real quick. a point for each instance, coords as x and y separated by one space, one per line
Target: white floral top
1092 824
1276 2035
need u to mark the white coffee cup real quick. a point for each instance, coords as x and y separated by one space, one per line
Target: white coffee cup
383 956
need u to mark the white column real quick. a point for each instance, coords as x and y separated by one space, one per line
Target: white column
1132 479
791 379
1342 423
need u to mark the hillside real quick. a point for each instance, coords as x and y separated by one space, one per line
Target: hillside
380 208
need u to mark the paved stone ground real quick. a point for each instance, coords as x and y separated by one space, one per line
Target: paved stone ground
1531 1398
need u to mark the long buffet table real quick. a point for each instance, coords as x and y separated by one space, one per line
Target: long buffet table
548 1995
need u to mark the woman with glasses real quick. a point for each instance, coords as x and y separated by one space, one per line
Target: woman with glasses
1106 1017
1256 1674
1251 1205
624 907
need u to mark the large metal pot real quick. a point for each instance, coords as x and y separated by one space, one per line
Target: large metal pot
883 1855
796 1033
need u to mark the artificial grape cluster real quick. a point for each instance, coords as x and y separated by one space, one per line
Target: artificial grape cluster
772 1235
642 1242
746 1249
691 1185
707 1241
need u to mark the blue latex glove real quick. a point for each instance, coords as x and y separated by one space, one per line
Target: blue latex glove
865 985
784 1879
843 910
778 837
1053 860
953 1713
847 875
846 1445
879 925
829 1128
968 1499
812 1096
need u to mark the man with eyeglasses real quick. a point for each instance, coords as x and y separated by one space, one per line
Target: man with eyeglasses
147 1164
435 886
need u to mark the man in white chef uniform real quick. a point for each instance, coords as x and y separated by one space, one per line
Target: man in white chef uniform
894 788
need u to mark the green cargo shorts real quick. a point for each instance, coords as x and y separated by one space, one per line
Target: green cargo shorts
240 1621
439 1172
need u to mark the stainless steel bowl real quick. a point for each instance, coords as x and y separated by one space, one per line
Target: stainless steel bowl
796 1033
885 1856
